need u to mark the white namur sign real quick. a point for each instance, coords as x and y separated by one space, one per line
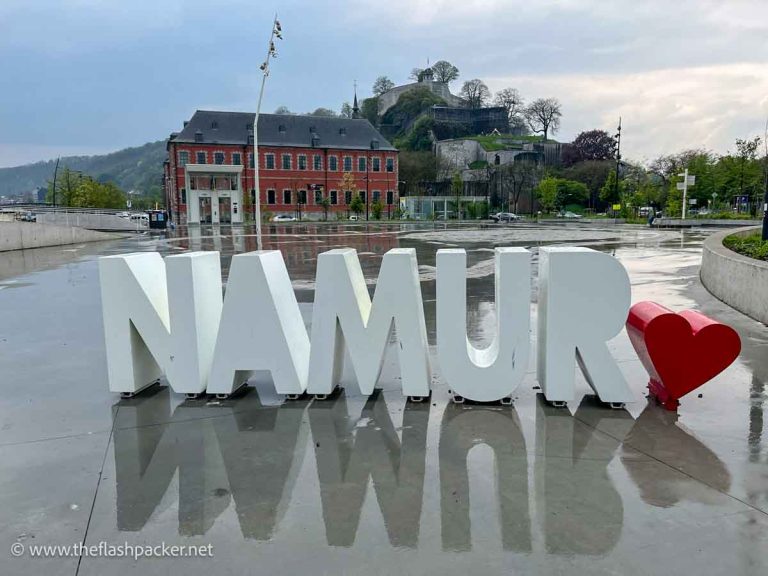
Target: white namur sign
494 372
584 299
169 318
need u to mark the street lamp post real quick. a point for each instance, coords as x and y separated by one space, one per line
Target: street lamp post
271 53
618 160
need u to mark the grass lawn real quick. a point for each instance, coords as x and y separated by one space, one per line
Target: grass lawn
492 142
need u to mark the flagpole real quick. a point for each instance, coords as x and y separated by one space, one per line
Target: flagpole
271 53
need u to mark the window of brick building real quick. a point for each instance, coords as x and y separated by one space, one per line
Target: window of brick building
333 163
348 197
376 164
390 164
200 158
218 157
361 193
286 161
347 163
361 164
390 197
302 196
237 159
317 162
183 195
334 197
302 162
376 195
318 196
271 198
286 196
183 158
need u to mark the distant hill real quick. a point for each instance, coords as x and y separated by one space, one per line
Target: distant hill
139 169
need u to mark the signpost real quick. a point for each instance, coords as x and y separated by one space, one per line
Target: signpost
688 180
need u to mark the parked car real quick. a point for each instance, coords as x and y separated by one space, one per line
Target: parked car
29 217
705 212
505 217
568 215
123 215
354 218
284 218
142 219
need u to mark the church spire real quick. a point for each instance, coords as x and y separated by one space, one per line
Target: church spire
355 107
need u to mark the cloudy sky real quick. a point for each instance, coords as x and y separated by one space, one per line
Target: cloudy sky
92 76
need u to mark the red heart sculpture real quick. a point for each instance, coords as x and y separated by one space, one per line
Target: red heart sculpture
680 351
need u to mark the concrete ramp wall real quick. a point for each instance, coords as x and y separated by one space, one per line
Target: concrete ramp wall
739 281
24 235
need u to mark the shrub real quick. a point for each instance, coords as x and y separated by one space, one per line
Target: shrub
752 245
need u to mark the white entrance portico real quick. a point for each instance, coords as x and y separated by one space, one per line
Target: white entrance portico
214 194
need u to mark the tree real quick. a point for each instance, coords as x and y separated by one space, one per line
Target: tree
415 74
346 110
347 183
77 190
475 92
591 173
416 167
591 145
511 101
747 150
370 110
376 209
546 192
518 126
282 110
611 193
557 193
381 85
444 71
457 189
419 137
517 178
543 115
357 205
324 112
326 204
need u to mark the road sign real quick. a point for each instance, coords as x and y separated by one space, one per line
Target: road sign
691 180
692 201
617 206
680 185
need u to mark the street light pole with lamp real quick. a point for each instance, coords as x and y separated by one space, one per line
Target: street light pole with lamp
271 53
617 138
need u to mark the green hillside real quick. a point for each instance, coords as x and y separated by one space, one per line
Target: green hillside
139 169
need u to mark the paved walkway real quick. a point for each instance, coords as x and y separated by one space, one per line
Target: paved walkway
359 485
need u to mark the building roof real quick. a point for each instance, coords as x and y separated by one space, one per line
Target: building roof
212 127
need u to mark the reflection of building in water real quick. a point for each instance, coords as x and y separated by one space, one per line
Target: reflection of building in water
300 245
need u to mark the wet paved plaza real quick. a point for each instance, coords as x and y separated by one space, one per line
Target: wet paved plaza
375 485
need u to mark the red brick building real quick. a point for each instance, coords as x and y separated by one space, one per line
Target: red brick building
209 176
